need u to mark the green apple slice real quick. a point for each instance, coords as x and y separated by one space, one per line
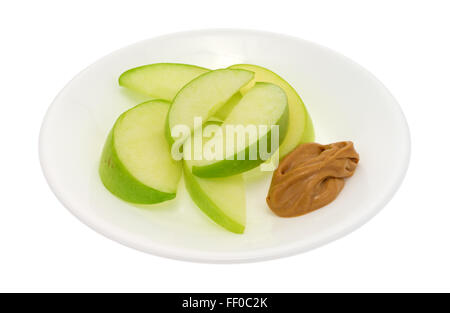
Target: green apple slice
160 80
203 97
136 164
265 104
299 122
221 199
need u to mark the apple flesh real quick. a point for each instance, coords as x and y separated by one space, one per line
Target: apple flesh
136 164
160 80
221 199
204 96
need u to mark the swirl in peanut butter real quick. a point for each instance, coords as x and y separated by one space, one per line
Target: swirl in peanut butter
310 177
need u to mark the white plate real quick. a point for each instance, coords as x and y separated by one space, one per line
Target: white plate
345 101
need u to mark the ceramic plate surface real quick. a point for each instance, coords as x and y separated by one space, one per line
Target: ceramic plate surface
345 101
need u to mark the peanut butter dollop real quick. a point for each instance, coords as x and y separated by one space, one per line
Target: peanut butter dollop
310 177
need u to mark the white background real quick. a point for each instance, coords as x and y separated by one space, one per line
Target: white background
406 44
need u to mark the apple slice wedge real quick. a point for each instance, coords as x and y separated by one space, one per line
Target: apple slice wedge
203 97
221 199
300 127
136 164
160 80
264 105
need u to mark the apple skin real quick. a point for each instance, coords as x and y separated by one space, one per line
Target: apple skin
226 168
298 119
207 205
308 134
